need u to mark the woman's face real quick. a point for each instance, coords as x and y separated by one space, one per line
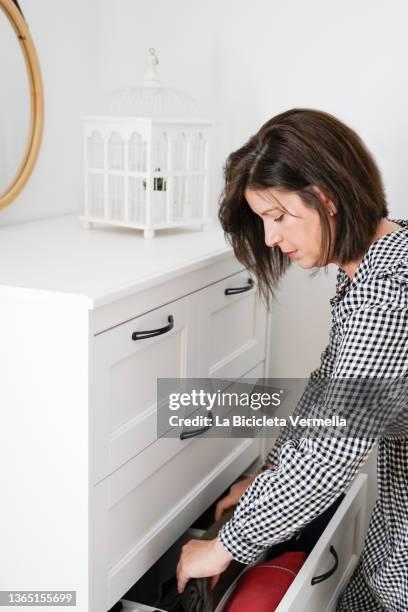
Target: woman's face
296 232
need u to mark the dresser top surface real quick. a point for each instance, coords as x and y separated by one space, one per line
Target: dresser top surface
56 256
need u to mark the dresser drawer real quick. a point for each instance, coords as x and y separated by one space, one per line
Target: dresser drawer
233 337
123 418
344 533
339 547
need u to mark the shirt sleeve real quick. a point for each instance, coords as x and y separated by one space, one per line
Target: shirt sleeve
311 472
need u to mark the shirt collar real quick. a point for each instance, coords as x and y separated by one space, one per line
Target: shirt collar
382 255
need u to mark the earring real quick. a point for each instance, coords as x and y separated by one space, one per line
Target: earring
331 213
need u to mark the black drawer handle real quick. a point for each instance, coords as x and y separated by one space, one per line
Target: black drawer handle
240 289
149 333
196 432
326 575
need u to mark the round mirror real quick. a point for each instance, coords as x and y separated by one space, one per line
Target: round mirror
21 102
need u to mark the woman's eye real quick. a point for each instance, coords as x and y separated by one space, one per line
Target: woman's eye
277 219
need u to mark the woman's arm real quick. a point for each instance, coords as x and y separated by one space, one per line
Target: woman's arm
313 471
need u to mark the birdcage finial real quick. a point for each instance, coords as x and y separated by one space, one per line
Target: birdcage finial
151 78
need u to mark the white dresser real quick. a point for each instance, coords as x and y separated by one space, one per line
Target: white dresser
90 497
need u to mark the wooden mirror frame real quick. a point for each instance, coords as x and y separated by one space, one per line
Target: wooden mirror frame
19 25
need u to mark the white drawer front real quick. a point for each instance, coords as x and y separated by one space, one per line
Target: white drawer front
163 492
345 533
125 385
233 335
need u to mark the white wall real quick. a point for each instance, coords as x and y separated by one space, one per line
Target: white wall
65 35
244 61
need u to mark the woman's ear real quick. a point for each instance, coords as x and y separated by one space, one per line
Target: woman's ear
325 200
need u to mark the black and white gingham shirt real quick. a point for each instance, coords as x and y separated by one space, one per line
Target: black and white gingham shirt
368 339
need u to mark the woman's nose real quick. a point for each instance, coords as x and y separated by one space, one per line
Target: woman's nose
272 237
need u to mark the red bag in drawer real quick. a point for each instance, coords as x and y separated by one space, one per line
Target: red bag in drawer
262 587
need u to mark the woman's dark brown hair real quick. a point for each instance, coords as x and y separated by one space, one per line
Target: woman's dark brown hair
295 151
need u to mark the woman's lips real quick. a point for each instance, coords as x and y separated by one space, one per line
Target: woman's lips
292 254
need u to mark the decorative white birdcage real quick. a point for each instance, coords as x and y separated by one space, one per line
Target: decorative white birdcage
147 159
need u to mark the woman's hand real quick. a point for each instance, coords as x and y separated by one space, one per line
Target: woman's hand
233 497
201 558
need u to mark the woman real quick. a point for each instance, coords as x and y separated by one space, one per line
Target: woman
305 189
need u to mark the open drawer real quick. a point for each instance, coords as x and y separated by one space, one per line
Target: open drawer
332 561
328 566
